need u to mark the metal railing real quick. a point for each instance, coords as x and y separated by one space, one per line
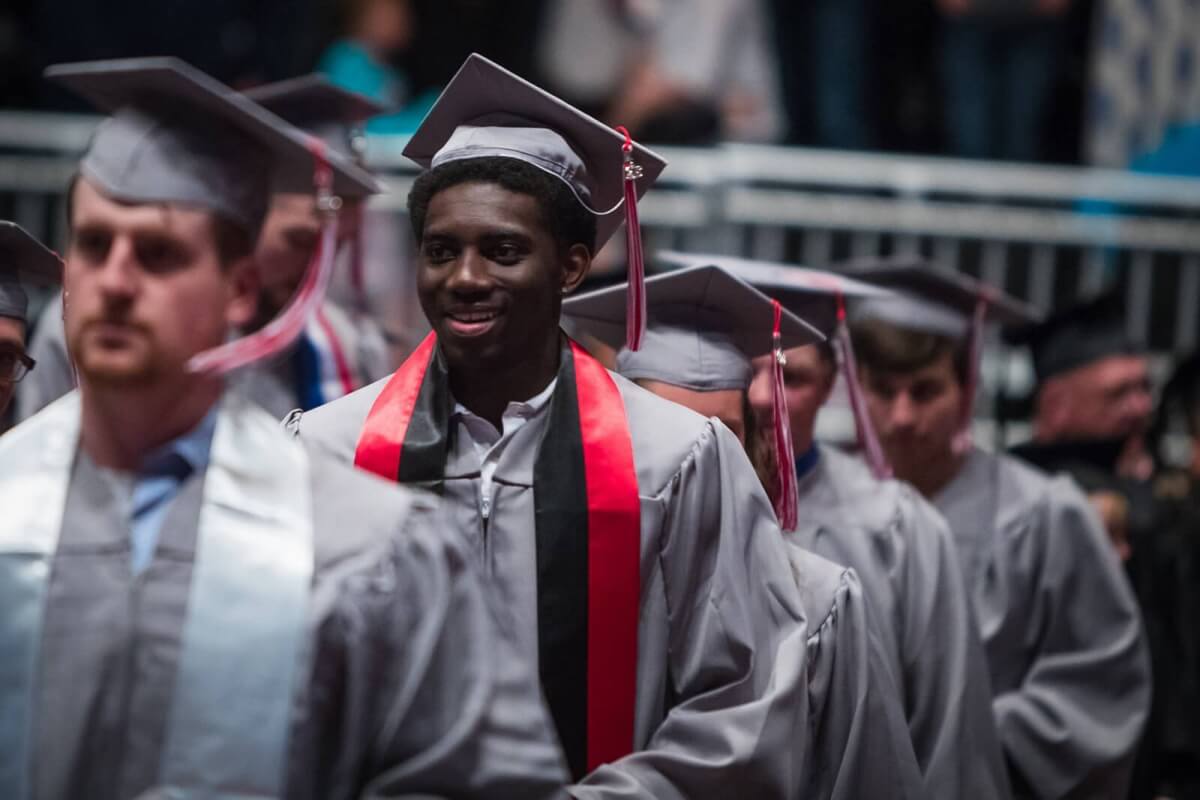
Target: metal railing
1047 234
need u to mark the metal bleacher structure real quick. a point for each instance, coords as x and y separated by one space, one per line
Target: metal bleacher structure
1047 234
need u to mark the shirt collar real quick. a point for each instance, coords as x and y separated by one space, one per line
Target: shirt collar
193 447
527 407
807 461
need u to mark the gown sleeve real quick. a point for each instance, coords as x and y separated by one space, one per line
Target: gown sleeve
948 693
1072 727
736 643
459 714
858 743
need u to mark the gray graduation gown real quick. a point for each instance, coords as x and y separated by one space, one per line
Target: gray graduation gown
1069 664
721 638
858 746
271 384
904 555
411 688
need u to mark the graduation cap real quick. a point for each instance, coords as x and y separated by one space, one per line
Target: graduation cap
810 293
819 297
320 108
175 135
934 301
947 304
488 112
1077 336
705 327
24 262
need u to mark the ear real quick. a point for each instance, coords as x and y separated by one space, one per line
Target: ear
576 265
244 287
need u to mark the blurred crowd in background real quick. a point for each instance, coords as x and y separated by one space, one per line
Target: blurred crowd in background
1113 82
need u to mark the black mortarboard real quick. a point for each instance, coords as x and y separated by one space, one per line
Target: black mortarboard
1078 335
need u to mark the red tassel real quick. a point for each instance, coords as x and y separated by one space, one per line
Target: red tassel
635 299
868 440
280 332
963 439
785 500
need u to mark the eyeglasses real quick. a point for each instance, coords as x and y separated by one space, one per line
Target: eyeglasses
14 366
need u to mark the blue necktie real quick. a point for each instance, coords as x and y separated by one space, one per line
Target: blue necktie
157 483
308 374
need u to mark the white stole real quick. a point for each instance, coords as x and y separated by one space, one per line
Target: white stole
245 644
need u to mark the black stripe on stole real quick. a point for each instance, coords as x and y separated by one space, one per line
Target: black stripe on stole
426 441
561 521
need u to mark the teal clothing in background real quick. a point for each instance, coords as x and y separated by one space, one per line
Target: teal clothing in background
1178 154
349 65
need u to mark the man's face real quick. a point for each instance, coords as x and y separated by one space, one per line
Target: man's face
1108 399
916 415
725 404
490 276
288 240
807 381
145 289
289 236
12 347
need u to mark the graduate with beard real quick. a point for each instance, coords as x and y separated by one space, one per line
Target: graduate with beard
853 514
339 350
705 325
196 605
1060 626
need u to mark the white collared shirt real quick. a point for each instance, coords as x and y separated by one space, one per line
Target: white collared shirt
489 443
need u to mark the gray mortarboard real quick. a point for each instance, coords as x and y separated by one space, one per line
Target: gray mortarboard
819 297
810 293
318 107
24 262
933 301
175 135
705 327
1078 336
487 112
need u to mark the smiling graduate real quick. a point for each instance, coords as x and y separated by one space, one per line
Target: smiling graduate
629 538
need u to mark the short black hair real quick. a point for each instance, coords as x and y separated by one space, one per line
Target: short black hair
562 213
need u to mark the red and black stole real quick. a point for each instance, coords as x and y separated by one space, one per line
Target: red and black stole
587 524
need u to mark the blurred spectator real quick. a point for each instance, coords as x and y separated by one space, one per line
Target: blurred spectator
1145 80
375 34
675 72
585 48
999 62
706 63
825 66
